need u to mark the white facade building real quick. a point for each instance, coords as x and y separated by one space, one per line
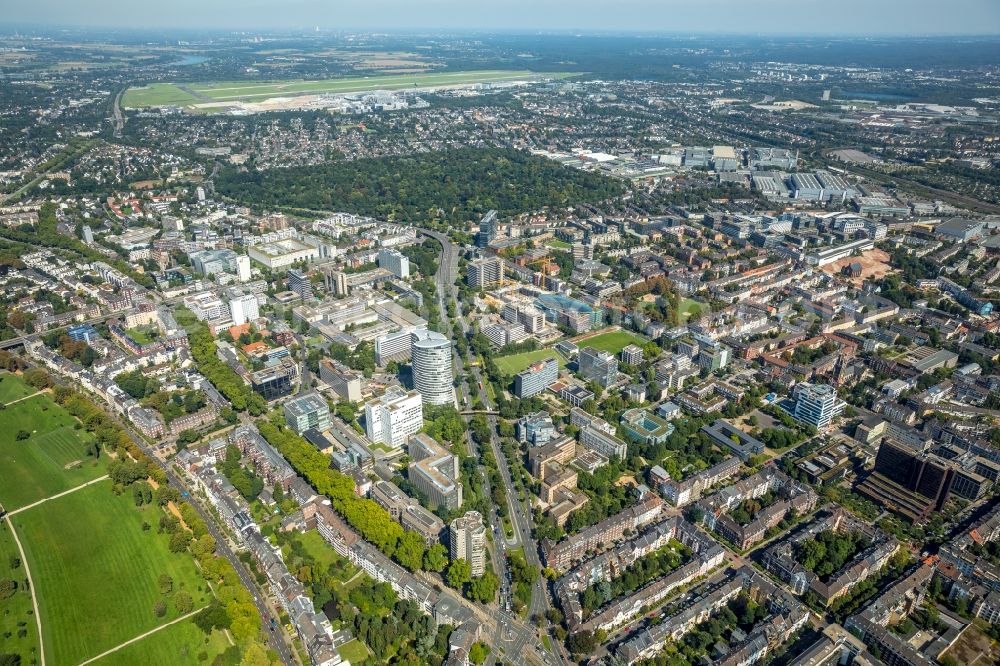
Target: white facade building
391 419
432 370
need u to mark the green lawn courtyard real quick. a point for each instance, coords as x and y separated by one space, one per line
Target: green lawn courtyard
515 363
354 651
49 460
96 572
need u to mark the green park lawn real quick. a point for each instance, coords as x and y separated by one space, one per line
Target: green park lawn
612 342
515 363
354 651
181 644
16 617
96 571
13 388
689 308
50 460
558 244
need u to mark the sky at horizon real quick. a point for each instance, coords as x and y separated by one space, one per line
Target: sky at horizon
806 17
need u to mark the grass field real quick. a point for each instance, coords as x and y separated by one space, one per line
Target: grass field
515 363
50 461
181 644
689 308
354 651
612 342
179 94
558 244
12 388
96 571
15 613
143 334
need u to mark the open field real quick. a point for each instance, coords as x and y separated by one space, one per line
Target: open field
181 644
689 308
48 462
12 388
874 265
515 363
96 571
15 613
178 94
612 342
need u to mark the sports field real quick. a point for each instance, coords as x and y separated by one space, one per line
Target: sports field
612 342
181 644
189 94
96 572
515 363
16 610
50 460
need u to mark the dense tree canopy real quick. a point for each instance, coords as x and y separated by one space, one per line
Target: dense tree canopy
455 185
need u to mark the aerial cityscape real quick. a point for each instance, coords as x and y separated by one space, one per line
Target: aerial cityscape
541 334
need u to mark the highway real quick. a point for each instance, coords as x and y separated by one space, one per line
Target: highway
520 513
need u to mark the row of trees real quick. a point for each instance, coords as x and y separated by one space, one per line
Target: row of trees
225 380
647 568
366 516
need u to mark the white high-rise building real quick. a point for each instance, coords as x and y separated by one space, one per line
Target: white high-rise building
243 268
244 309
817 404
468 541
395 262
395 416
432 373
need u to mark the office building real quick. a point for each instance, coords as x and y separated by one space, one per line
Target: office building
244 309
816 404
298 282
336 282
243 268
395 262
276 380
392 418
213 262
536 378
485 272
308 411
396 346
431 361
487 229
283 253
598 366
535 429
344 381
468 541
435 472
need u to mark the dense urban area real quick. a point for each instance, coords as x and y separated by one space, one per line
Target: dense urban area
324 349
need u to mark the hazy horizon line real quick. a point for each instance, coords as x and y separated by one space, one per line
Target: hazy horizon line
303 31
